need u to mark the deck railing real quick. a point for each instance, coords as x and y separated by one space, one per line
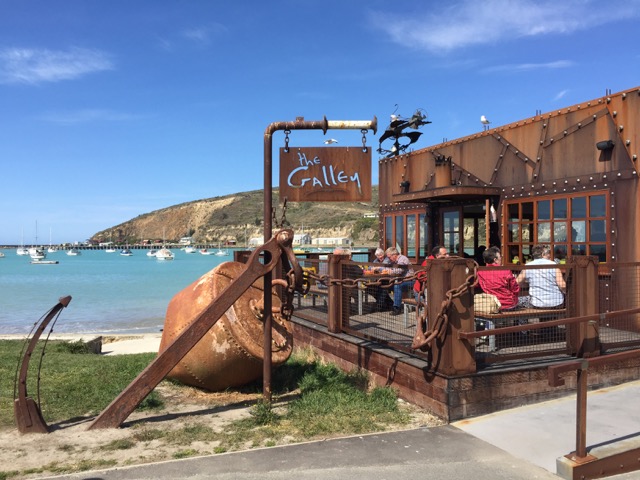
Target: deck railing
600 315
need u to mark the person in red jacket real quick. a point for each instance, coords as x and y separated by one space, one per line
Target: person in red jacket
418 286
498 281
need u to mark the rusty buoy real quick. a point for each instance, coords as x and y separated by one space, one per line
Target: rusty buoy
231 353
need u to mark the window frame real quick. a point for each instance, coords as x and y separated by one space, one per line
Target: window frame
520 234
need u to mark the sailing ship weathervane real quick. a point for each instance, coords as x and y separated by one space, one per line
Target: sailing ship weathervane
396 131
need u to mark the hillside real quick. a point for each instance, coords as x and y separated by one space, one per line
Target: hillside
238 217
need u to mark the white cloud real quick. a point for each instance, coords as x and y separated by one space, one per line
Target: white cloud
468 23
34 66
560 95
525 67
203 35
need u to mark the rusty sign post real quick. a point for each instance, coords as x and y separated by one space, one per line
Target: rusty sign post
298 124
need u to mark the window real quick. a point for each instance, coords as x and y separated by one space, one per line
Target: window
571 225
407 231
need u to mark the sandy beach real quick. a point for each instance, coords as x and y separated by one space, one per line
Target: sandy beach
109 344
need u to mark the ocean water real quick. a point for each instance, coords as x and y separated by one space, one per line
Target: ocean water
111 294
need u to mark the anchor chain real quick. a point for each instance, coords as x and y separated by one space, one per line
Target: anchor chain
422 339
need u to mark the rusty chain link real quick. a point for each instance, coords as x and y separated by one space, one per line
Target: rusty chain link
423 338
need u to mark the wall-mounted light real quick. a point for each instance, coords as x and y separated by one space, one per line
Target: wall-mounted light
404 186
605 145
441 159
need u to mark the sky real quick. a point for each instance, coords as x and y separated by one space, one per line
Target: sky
112 109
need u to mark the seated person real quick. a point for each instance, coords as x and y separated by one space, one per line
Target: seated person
546 286
498 281
400 266
383 300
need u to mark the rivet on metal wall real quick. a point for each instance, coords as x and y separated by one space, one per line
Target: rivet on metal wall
635 157
619 174
535 175
608 99
628 142
594 117
564 133
544 125
621 127
615 113
624 95
579 125
566 181
578 180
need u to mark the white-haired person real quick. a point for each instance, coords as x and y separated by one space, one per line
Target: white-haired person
400 266
383 300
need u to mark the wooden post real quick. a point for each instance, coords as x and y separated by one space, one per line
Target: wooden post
582 299
451 355
334 322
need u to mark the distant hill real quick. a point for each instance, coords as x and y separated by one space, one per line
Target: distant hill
238 217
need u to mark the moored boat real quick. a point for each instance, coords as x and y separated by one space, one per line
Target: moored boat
164 254
152 253
73 252
37 253
190 249
204 251
125 252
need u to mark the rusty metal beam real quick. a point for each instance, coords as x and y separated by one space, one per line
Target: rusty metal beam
150 377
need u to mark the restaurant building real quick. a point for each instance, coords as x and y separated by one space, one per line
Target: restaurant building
567 178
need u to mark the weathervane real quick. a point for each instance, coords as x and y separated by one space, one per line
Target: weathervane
396 131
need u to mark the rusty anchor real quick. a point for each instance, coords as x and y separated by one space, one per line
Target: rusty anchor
27 412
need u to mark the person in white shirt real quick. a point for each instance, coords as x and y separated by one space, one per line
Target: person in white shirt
546 286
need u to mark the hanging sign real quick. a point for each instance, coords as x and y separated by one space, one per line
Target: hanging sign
325 174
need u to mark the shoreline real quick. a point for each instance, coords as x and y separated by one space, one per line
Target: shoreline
110 344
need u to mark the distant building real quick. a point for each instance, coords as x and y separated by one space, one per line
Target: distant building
370 215
185 241
256 241
331 242
302 239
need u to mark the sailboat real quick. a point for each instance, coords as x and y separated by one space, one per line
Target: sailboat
51 248
164 253
220 252
22 250
110 248
35 252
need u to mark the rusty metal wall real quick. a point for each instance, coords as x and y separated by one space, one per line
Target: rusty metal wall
551 153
